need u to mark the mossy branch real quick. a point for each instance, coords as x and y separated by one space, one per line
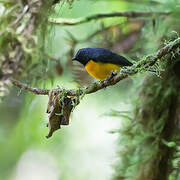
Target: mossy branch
142 64
62 102
128 14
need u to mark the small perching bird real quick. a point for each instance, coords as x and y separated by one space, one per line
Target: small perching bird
100 62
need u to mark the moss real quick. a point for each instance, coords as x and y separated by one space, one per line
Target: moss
148 141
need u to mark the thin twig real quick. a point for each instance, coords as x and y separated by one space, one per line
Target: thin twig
30 89
128 14
150 60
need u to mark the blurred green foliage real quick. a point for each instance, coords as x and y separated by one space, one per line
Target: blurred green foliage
84 149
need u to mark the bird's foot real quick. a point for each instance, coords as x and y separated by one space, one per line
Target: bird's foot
114 73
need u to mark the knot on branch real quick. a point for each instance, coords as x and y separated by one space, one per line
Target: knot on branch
59 108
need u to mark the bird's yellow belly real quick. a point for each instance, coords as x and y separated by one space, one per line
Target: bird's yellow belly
101 71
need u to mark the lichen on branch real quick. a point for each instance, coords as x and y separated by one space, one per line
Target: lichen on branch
62 101
145 63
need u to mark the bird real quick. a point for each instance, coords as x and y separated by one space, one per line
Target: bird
100 63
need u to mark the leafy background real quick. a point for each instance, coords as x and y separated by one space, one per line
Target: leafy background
85 149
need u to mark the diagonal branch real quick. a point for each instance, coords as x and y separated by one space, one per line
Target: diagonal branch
128 14
148 62
62 102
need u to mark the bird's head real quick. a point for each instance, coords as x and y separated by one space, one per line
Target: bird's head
83 56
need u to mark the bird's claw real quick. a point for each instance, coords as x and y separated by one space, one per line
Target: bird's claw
113 73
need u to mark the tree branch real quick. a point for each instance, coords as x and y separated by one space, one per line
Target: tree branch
62 102
152 59
148 62
128 14
23 86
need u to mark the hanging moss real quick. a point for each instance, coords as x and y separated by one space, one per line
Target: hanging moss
23 34
149 140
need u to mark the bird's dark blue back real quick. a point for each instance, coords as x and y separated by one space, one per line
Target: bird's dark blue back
105 56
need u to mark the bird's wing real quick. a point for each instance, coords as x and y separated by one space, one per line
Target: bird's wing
110 57
80 75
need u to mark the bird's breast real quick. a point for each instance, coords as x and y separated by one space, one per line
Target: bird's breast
99 70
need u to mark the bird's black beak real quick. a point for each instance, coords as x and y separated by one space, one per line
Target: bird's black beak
73 59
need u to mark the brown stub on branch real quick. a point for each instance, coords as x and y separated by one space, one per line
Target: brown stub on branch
59 110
